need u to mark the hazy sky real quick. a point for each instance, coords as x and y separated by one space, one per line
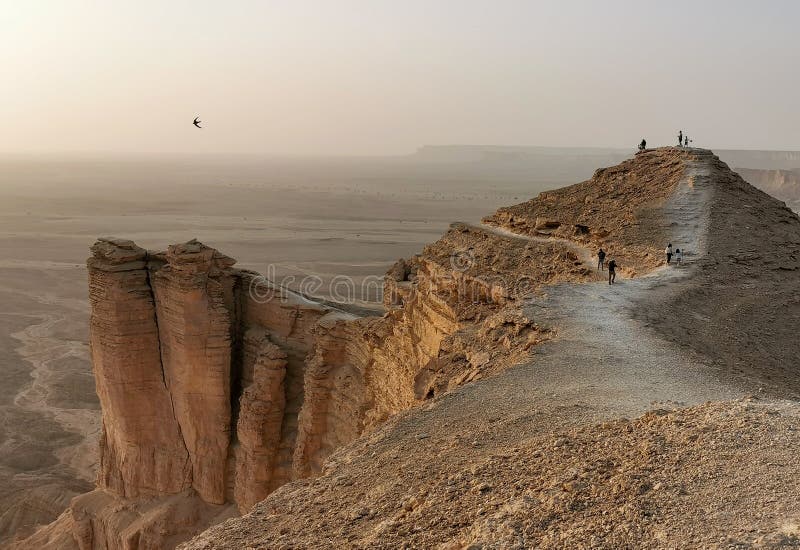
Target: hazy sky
374 77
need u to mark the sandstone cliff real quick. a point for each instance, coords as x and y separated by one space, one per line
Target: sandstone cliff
539 456
218 387
141 448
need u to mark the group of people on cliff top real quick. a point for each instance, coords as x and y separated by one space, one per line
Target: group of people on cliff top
683 141
612 263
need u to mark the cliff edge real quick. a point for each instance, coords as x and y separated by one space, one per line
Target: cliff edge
441 423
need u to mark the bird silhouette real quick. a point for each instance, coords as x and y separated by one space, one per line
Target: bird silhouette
197 122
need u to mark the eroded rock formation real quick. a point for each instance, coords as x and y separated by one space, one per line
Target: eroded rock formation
194 308
142 452
218 387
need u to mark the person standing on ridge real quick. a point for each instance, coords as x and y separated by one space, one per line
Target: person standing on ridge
668 252
680 138
612 271
643 145
601 258
686 141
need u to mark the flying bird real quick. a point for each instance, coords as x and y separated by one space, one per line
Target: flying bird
197 122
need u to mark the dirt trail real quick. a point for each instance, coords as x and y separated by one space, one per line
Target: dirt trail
586 256
607 355
603 360
604 363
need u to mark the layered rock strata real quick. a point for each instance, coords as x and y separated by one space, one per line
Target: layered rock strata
218 387
142 452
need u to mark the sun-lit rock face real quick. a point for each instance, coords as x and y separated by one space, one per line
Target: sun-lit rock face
194 308
217 387
141 448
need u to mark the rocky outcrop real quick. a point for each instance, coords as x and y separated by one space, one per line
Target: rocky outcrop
142 452
619 208
100 519
336 393
261 409
194 308
218 387
536 457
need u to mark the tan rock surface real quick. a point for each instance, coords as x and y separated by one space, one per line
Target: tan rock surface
714 476
101 520
261 411
742 307
619 208
267 388
141 448
194 303
534 456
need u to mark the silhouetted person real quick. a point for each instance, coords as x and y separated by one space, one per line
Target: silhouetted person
686 141
601 258
612 271
680 138
643 145
668 252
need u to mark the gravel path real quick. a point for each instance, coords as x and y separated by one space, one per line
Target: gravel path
584 254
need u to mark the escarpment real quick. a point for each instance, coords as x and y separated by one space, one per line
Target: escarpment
782 184
218 386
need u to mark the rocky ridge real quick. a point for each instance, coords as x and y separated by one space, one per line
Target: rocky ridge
219 388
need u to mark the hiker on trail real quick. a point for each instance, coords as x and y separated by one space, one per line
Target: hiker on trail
601 258
612 271
680 138
686 141
678 256
643 145
668 252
